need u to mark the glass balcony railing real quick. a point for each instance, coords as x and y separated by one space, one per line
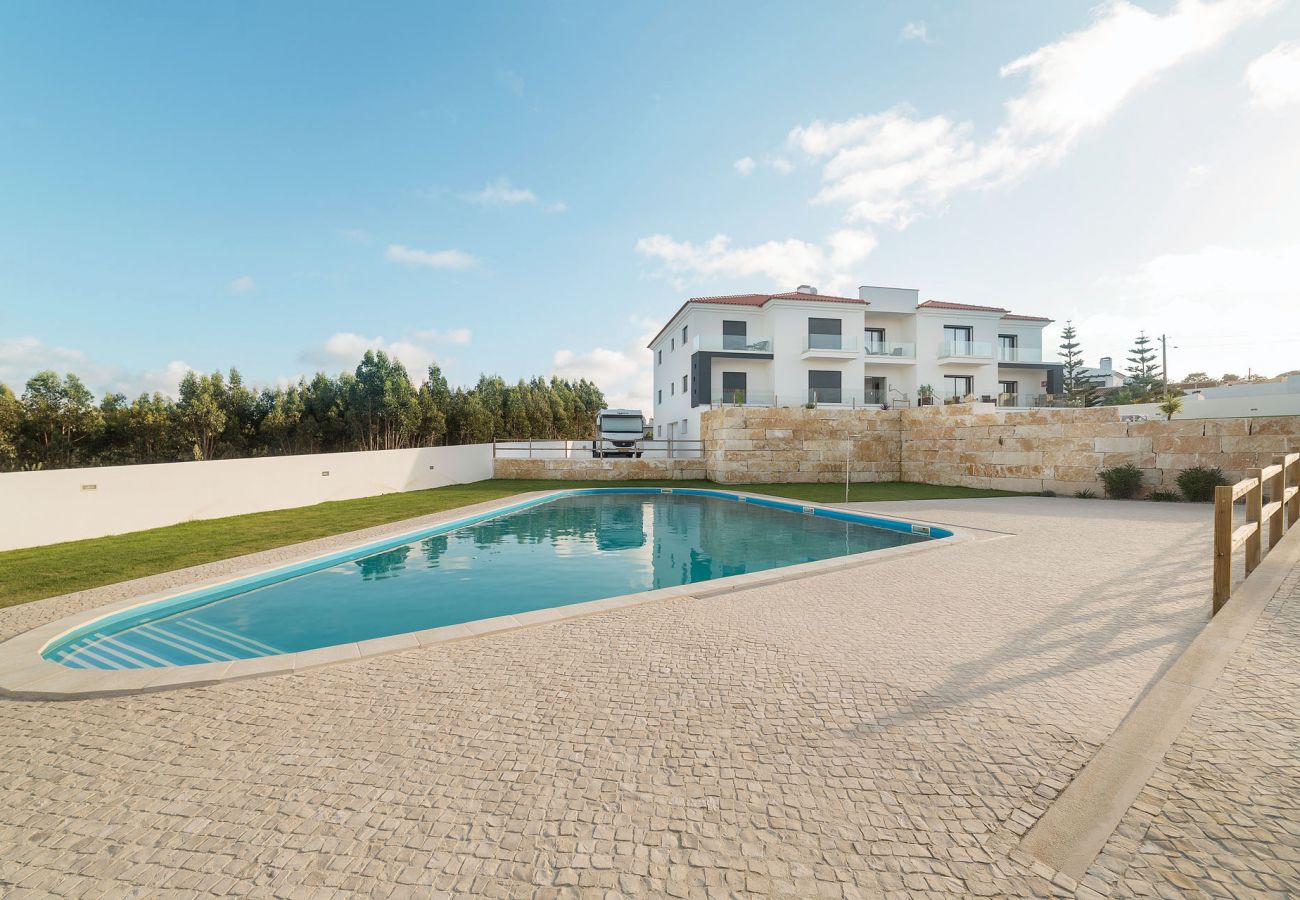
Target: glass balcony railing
970 349
817 397
736 343
890 348
814 342
1020 354
1029 401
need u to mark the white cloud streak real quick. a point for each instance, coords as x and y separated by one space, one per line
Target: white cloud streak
430 259
1274 78
501 193
242 285
915 31
21 358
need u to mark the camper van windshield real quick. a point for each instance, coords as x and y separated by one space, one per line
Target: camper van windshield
622 424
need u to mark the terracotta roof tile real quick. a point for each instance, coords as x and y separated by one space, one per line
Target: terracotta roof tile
944 304
756 300
1019 318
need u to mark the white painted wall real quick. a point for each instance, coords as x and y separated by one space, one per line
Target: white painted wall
1195 407
53 506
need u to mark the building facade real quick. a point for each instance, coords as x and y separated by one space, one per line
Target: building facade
881 348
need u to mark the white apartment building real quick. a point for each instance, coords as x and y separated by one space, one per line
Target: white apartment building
881 347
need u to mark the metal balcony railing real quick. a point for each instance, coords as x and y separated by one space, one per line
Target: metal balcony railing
901 349
968 349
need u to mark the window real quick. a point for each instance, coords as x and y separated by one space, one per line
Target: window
1010 387
1007 344
661 396
874 390
825 334
683 426
684 327
672 344
824 387
959 386
659 431
959 338
735 335
684 382
873 340
733 384
672 389
661 357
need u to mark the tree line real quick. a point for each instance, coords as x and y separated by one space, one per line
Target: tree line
56 423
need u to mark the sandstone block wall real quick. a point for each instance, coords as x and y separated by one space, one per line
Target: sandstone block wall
978 445
601 469
755 445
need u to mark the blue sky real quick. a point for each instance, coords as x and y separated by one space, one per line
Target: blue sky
533 188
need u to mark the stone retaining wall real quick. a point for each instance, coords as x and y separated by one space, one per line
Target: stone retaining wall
977 445
756 445
600 469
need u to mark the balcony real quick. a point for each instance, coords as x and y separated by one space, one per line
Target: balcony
889 351
733 343
1020 354
829 346
1029 401
965 351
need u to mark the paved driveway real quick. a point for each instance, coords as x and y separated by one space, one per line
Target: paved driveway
895 726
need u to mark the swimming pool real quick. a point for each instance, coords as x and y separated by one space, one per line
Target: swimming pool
563 549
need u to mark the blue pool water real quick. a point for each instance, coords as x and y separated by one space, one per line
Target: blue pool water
583 545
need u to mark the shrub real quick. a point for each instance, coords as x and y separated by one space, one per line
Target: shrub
1166 497
1085 494
1047 493
1122 482
1198 482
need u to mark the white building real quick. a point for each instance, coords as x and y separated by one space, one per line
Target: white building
881 347
1105 374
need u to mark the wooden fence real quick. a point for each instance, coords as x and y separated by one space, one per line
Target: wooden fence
1277 512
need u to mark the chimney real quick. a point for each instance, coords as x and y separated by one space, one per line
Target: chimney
806 289
1106 364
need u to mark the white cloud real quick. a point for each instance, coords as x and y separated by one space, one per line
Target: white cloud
450 336
1191 296
891 167
242 285
355 235
746 165
916 31
501 193
1274 78
511 81
21 358
435 259
780 264
344 349
624 376
1195 174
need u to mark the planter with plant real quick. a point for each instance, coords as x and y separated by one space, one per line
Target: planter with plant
925 394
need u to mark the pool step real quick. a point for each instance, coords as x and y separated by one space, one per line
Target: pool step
176 642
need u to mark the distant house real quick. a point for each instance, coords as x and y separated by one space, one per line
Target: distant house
1105 375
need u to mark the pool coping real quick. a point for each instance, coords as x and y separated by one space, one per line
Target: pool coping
26 674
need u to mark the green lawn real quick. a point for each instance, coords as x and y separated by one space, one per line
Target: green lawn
77 565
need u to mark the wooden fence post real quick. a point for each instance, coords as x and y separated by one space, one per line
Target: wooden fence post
1222 546
1254 511
1277 502
1291 488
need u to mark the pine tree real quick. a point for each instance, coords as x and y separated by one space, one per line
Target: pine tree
1080 390
1143 372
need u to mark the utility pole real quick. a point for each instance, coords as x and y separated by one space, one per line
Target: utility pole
1164 363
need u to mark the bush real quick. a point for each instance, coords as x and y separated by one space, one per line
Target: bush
1122 482
1085 494
1198 482
1047 493
1166 497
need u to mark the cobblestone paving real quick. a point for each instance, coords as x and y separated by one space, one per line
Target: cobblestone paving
1221 815
889 728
